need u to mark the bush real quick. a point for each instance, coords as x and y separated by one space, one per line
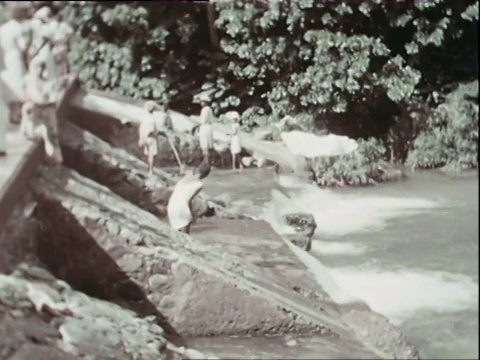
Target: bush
450 139
366 166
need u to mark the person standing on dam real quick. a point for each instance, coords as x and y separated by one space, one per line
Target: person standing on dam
14 42
39 119
147 135
205 133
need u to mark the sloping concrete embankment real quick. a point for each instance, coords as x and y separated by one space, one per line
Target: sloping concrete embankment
99 229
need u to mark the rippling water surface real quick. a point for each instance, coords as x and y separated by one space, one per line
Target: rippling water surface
409 249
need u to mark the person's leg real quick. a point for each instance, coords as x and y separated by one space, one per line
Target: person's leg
239 161
233 161
3 132
151 158
41 132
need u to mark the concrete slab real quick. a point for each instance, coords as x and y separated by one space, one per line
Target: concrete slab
20 164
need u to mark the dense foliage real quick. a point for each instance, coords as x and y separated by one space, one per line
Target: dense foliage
365 167
363 68
450 138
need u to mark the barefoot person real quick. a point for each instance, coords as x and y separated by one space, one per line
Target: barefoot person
147 135
236 146
179 208
205 133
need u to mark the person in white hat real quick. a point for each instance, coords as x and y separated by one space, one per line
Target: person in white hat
205 133
179 207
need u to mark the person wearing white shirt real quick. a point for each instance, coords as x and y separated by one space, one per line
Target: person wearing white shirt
148 131
236 146
205 133
39 118
14 42
179 207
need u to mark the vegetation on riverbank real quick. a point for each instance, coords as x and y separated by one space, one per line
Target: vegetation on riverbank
366 69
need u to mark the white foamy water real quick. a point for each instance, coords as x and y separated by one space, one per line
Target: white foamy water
336 248
341 214
398 271
401 294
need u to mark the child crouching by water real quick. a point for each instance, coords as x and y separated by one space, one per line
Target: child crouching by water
179 208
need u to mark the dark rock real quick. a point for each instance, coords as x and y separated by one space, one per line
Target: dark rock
90 329
304 226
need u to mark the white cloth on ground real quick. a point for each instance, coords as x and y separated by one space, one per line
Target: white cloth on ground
178 210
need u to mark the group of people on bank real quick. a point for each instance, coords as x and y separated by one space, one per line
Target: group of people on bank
158 122
34 48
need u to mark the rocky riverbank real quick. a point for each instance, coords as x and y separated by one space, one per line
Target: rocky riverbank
97 225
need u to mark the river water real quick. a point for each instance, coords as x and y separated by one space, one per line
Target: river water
409 249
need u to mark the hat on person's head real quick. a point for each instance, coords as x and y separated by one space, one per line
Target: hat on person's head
150 105
43 13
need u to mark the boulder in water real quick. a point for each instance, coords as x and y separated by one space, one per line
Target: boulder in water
304 226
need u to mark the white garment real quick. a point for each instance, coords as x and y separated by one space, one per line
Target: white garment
178 211
38 90
206 115
43 32
4 120
12 43
205 135
235 143
151 122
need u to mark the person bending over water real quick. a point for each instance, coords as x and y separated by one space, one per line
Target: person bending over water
179 208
